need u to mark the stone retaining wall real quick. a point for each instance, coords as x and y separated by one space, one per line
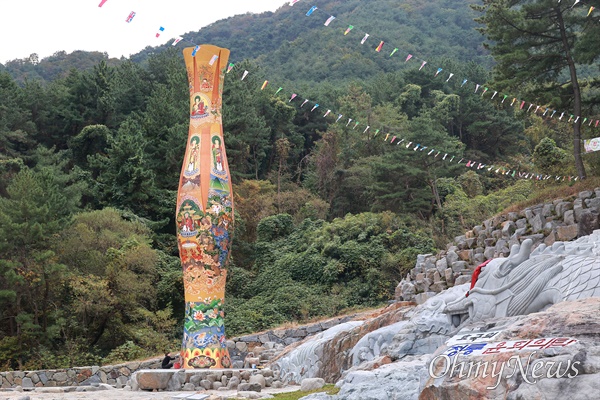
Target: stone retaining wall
561 220
265 346
115 375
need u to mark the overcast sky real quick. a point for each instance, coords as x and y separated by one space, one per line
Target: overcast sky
47 26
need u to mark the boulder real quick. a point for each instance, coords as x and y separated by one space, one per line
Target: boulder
309 384
258 378
588 222
566 233
153 379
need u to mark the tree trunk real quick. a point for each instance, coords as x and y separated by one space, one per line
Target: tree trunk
576 98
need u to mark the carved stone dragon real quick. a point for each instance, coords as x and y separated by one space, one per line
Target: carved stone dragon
529 281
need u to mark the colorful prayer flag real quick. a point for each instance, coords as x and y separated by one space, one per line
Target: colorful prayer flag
350 27
339 117
408 57
130 17
314 107
213 59
196 48
264 85
463 84
451 75
378 49
293 97
366 129
303 103
477 88
422 65
438 71
591 9
364 39
329 20
230 67
293 2
327 113
279 90
176 40
244 75
312 9
104 1
160 30
393 51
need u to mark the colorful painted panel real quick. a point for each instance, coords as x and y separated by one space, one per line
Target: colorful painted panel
205 213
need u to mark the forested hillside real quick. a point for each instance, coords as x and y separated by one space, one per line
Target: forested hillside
328 217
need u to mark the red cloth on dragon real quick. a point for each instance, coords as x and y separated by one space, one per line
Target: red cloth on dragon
476 275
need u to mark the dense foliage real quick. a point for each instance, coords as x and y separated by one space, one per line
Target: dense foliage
328 217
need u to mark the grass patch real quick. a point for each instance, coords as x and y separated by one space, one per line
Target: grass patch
329 389
552 192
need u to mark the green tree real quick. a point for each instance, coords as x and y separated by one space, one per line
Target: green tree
535 46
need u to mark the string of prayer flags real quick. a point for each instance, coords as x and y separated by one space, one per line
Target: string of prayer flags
292 97
378 49
314 107
213 59
312 10
197 47
364 39
329 20
230 67
244 75
264 85
350 27
130 17
176 40
160 30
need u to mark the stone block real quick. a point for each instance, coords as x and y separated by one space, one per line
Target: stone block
263 338
512 216
547 210
449 275
459 265
206 384
477 230
593 203
521 223
566 233
550 238
569 217
586 194
462 279
441 265
537 223
259 379
577 210
562 207
465 255
451 257
508 228
153 380
588 222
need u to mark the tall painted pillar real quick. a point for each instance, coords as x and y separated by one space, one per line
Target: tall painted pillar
205 213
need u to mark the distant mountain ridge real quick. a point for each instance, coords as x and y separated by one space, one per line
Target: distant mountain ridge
291 46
